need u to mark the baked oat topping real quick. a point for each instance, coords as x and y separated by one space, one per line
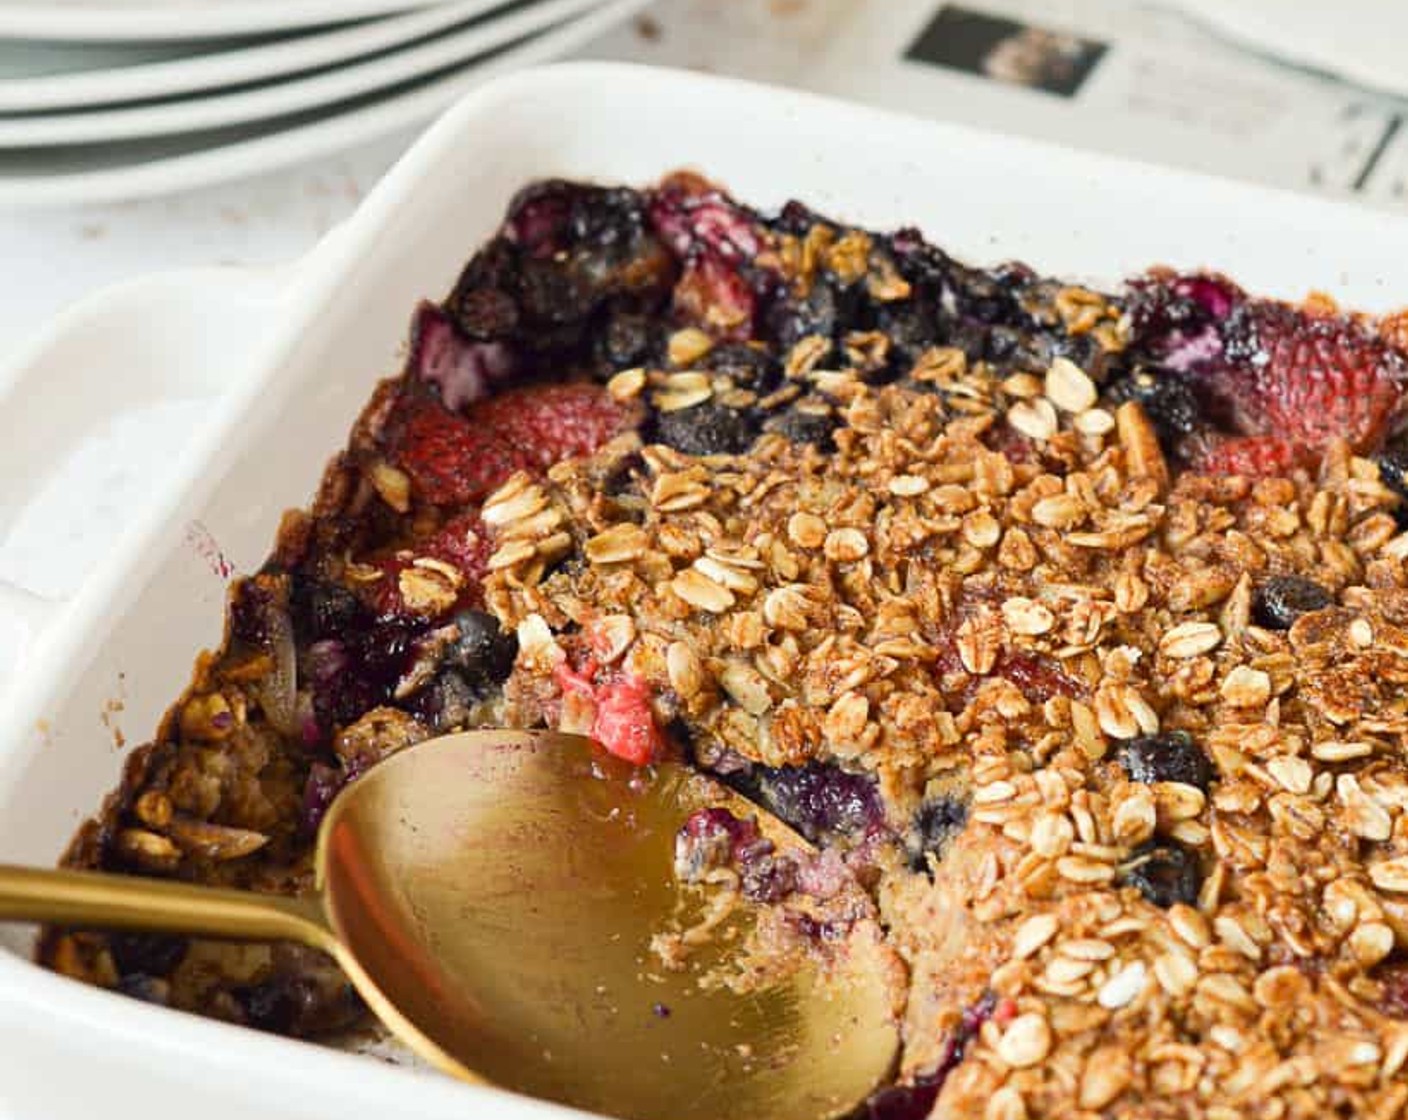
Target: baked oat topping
1071 626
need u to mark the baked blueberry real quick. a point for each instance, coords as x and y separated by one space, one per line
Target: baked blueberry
483 653
153 953
148 989
748 367
1168 757
936 823
705 429
279 1004
1168 401
804 423
1283 599
1393 472
446 702
629 339
322 610
1165 873
819 800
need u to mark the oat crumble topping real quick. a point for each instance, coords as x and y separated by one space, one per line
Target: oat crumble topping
1072 627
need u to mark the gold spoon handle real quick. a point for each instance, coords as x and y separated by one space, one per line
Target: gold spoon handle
90 899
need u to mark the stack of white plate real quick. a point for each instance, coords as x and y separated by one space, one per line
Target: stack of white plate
103 99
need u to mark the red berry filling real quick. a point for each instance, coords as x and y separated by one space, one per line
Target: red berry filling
624 722
455 459
1276 384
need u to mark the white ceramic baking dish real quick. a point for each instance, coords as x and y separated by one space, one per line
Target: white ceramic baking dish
285 361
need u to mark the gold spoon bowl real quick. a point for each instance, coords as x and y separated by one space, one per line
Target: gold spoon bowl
493 896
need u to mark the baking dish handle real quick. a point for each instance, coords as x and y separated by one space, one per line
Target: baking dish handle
174 337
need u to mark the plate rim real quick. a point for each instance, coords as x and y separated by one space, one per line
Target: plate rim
282 148
360 77
250 63
151 20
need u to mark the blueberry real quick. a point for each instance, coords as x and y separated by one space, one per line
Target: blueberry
629 339
1079 348
1393 472
981 298
494 266
380 653
1179 319
1167 400
1165 873
1003 344
936 823
747 366
606 218
375 659
705 429
483 653
555 215
919 262
969 336
1393 469
155 954
539 215
1283 599
901 1102
827 309
716 824
1170 757
797 218
820 800
148 989
911 324
555 303
279 1004
711 838
915 1100
769 878
322 610
1014 276
445 703
343 699
486 313
805 424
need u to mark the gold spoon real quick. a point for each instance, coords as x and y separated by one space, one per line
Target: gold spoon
493 896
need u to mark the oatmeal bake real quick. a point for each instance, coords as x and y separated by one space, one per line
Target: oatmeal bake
1070 625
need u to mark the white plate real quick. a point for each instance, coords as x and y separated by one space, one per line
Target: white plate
63 76
296 95
1359 40
319 340
127 20
106 173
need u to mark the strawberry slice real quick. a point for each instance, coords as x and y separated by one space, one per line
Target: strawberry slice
463 541
466 542
712 295
450 461
549 423
464 371
458 458
1253 456
624 722
1309 378
1281 382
